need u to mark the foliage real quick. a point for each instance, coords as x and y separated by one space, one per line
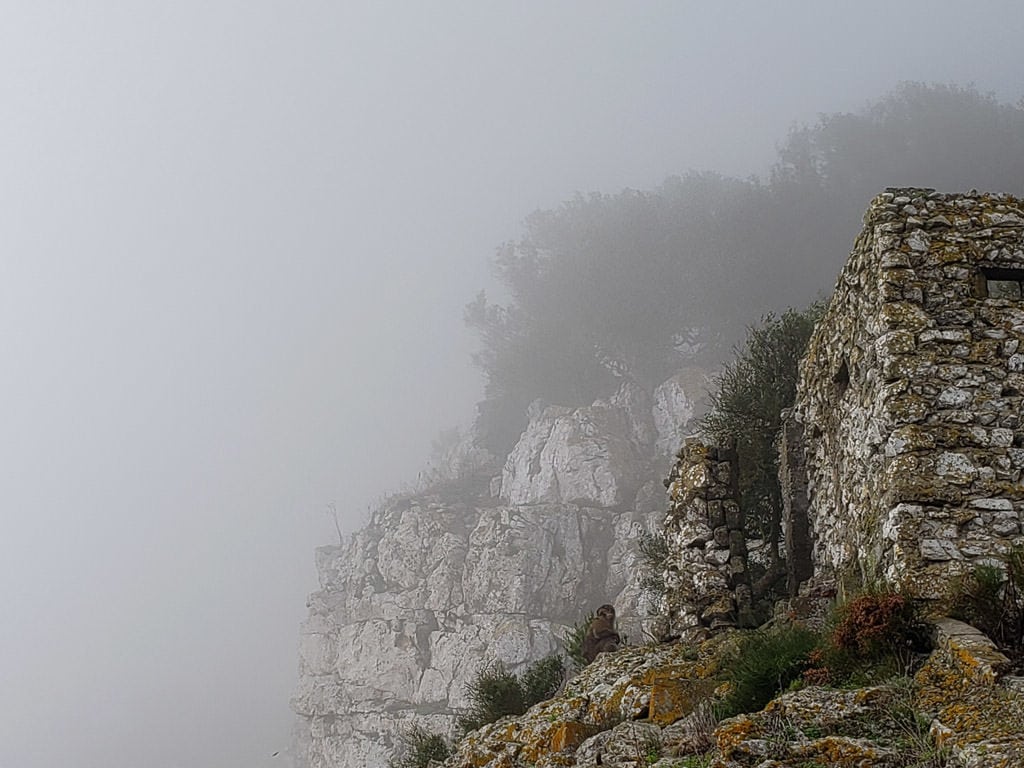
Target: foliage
647 281
654 555
418 746
993 600
751 392
916 748
874 635
765 663
542 679
879 624
573 641
494 692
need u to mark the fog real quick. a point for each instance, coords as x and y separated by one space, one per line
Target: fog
237 238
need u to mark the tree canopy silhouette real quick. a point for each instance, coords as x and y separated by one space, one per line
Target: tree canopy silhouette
640 283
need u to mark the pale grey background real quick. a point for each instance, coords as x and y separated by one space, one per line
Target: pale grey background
236 241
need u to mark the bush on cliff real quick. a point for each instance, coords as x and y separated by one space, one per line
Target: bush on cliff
494 692
417 747
764 663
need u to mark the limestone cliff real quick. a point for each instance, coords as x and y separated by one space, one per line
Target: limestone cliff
481 568
901 460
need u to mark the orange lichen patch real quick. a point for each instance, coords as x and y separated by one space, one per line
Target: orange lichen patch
733 732
971 714
839 752
674 699
569 735
609 708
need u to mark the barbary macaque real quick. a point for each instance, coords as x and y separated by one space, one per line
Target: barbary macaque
601 635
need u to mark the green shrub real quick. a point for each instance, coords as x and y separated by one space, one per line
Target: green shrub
750 393
573 641
764 664
418 746
654 555
993 600
542 679
495 692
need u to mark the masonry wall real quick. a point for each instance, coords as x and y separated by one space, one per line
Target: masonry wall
911 392
707 577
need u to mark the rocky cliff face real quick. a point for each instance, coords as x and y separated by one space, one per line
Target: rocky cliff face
483 568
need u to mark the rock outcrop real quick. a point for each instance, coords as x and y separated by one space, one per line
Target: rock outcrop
653 706
480 568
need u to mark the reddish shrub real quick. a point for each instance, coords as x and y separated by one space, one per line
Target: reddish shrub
876 624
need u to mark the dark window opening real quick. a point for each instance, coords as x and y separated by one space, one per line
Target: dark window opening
1001 283
842 379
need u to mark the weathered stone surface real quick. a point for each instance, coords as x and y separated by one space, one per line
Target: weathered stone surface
596 719
584 456
438 583
655 705
417 601
979 720
925 421
704 529
678 404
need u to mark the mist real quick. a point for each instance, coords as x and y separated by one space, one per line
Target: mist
238 238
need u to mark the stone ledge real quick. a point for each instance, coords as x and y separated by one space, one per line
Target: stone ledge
971 650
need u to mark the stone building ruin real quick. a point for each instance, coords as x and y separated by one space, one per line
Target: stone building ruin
902 457
910 394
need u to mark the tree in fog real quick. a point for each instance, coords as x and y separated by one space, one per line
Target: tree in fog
640 283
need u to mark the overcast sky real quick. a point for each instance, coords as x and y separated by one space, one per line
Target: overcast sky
235 243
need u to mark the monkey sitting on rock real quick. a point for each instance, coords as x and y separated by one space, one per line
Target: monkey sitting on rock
601 635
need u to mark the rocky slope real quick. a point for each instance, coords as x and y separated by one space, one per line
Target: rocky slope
653 706
483 566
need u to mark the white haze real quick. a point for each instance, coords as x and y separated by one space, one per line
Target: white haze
236 242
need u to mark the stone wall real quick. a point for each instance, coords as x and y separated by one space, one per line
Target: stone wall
706 576
911 392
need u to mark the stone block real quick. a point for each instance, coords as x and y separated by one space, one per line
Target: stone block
939 550
716 515
733 515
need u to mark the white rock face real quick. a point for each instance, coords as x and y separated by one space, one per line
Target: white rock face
678 403
575 456
415 603
436 585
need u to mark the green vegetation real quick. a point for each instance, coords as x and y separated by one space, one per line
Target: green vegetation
542 679
417 747
495 692
654 556
746 407
573 641
648 281
764 664
874 636
992 599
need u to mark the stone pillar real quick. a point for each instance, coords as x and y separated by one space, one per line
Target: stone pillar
706 578
796 528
